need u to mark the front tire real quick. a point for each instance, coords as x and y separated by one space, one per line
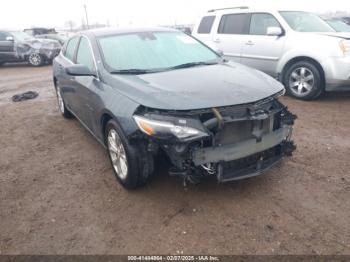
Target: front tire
303 80
36 59
132 164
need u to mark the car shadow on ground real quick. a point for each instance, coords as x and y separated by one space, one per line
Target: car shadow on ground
335 96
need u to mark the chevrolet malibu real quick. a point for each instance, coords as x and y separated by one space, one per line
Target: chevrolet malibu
145 92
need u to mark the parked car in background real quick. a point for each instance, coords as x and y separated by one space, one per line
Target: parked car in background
338 24
39 31
346 20
141 92
298 48
17 46
58 37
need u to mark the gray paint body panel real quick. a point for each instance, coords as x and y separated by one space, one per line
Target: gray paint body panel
198 87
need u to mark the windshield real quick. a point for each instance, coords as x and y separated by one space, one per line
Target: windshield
339 25
306 22
153 51
21 36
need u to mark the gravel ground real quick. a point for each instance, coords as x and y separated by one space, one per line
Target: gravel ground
58 194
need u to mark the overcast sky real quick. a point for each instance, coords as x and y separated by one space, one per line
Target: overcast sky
19 14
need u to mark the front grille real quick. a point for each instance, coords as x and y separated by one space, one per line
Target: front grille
249 166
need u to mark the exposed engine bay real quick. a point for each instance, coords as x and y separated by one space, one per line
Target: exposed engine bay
231 143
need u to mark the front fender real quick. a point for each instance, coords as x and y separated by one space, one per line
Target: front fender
121 109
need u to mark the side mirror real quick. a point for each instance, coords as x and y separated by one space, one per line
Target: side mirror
220 52
274 31
79 70
10 38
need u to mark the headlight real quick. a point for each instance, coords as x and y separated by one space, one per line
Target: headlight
162 129
345 46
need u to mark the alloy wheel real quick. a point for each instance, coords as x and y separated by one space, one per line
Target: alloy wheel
301 81
117 154
35 59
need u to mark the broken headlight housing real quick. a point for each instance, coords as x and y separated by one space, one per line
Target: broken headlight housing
165 129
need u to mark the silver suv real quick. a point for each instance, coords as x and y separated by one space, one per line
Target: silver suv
298 48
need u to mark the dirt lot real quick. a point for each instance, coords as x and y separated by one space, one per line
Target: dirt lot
58 194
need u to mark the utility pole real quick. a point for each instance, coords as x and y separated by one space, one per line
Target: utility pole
86 15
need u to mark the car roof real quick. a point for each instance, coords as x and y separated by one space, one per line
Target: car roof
108 31
246 9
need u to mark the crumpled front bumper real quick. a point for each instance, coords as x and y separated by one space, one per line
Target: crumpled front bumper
242 141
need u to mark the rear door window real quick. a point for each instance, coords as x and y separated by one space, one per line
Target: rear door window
234 24
206 24
70 49
260 22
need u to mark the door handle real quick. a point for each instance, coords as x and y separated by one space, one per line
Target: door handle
249 43
217 40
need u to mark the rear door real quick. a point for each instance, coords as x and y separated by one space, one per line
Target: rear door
65 81
260 50
7 48
230 33
88 87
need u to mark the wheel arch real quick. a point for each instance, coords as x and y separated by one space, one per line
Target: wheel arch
303 58
55 82
106 116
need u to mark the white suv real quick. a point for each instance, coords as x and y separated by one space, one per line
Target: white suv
298 48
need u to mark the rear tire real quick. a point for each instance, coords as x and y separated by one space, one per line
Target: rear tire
61 105
303 80
132 164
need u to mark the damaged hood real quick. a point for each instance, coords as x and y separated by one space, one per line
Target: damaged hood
198 87
41 43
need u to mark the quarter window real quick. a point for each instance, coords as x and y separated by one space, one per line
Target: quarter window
260 22
70 49
233 24
84 55
206 24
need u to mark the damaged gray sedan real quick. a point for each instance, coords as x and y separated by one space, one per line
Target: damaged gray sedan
16 46
145 92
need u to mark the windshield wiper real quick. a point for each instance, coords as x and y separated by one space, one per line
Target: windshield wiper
192 64
132 71
148 71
